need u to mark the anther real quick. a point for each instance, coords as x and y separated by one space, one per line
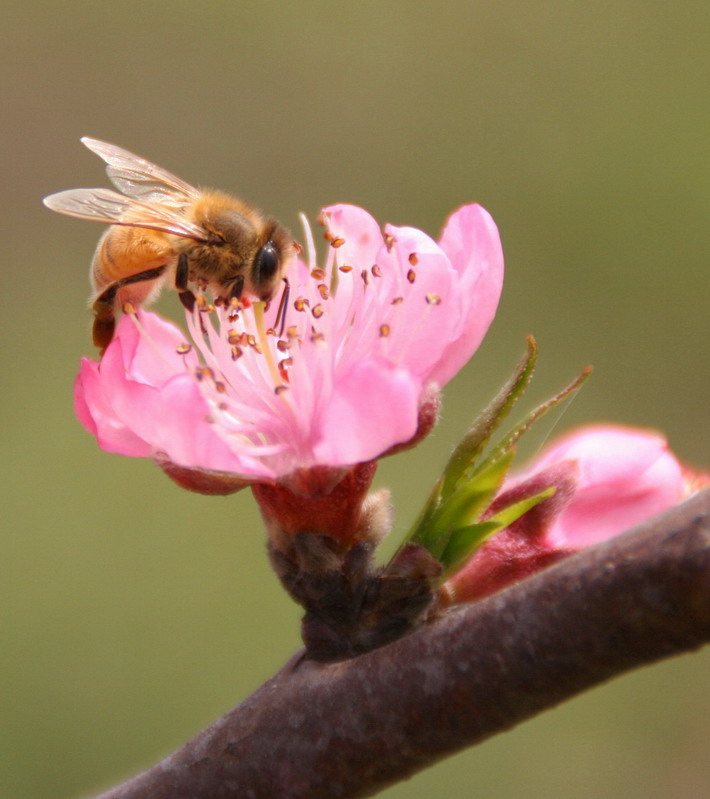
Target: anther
301 304
384 331
433 299
389 241
280 389
129 308
324 291
411 276
376 271
318 311
413 260
318 274
345 269
397 300
183 349
237 353
282 346
337 242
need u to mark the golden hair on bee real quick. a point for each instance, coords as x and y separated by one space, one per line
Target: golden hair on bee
166 232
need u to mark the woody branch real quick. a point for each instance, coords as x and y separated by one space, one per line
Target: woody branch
349 729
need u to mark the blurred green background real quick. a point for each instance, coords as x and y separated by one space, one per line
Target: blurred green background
134 613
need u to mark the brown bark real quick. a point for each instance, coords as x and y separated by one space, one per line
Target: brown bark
348 729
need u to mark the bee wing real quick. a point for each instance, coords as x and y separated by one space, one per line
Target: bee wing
104 205
139 178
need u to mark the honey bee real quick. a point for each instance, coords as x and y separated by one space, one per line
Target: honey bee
165 231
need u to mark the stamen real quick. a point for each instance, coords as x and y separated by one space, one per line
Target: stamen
183 349
310 244
324 291
413 260
345 269
301 304
411 276
318 311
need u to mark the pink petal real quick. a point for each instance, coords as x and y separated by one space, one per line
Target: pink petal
361 234
471 241
373 407
94 410
626 475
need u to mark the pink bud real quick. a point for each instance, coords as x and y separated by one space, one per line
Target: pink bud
608 478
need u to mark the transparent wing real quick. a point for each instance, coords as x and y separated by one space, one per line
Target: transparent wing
109 207
139 178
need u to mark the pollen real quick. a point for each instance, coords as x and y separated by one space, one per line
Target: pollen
389 241
337 242
183 349
282 346
413 260
301 304
324 291
345 269
411 276
292 332
318 311
397 300
433 299
318 274
384 331
128 308
237 353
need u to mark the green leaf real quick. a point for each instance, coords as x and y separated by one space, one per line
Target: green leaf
464 507
512 438
469 449
464 542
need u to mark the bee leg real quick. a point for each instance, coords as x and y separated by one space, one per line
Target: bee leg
104 318
182 275
104 306
238 287
283 305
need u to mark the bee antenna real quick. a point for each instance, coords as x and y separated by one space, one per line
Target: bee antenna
283 306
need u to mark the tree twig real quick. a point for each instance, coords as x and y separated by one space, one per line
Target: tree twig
349 729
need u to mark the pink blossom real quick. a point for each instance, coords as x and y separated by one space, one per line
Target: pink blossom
388 319
608 478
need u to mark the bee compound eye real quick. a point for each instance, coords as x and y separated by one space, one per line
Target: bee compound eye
266 263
